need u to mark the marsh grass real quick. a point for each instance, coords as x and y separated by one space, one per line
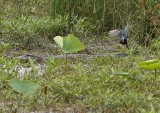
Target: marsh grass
85 85
29 21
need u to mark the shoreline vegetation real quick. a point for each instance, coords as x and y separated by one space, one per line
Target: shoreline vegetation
104 77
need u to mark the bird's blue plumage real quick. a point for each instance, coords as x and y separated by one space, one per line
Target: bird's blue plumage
119 33
124 33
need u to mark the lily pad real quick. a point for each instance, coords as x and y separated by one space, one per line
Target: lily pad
71 44
150 64
59 40
24 87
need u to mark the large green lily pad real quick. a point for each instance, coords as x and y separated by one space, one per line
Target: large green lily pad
71 44
150 64
24 87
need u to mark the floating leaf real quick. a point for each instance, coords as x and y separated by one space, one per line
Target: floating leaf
150 64
71 44
24 87
59 40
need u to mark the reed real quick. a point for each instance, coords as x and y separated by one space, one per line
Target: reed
102 15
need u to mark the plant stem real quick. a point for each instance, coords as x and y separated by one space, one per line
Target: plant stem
45 96
66 58
155 75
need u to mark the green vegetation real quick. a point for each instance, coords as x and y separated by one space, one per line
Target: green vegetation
69 44
111 83
31 23
25 87
101 84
